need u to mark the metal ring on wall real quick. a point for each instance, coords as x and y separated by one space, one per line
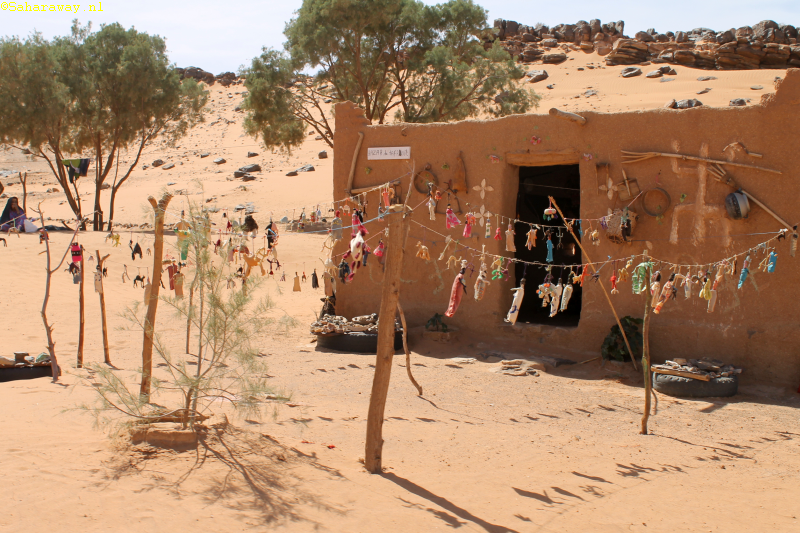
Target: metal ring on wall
644 201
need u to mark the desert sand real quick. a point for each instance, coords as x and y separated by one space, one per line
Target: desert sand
479 451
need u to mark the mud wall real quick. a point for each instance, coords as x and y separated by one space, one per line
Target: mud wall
755 327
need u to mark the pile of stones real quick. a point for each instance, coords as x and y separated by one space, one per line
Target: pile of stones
705 368
338 325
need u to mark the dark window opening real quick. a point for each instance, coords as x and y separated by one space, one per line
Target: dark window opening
562 182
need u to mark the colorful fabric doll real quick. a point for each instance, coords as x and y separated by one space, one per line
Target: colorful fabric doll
667 292
468 222
745 271
717 280
705 292
531 243
344 271
510 246
549 258
481 284
488 229
379 251
558 290
451 221
367 251
613 281
356 252
655 284
431 203
565 296
336 227
638 278
773 259
498 235
458 291
516 303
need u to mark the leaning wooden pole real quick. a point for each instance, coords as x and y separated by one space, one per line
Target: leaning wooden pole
398 229
99 288
648 376
405 347
152 305
594 270
81 310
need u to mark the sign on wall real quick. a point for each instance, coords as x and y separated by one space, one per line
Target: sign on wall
389 152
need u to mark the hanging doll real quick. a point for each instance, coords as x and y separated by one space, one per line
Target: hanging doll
458 291
379 251
481 284
772 260
531 242
135 250
451 221
344 270
566 295
423 252
498 235
314 280
75 270
510 246
431 203
488 234
705 292
77 252
613 281
666 293
558 290
296 287
178 283
717 280
468 223
745 271
336 227
549 258
516 303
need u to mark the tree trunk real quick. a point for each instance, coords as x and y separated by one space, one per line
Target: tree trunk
24 182
81 312
646 354
152 305
100 261
111 209
398 229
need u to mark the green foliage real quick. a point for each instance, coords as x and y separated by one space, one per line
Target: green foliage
403 58
614 345
227 368
101 92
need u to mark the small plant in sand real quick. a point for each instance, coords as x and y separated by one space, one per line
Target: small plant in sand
225 369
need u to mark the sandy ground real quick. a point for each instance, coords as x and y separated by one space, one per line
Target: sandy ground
478 452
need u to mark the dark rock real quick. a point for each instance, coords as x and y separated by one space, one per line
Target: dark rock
706 78
204 154
686 104
251 168
630 72
251 154
238 173
672 104
549 43
323 155
158 163
512 28
661 38
590 92
681 37
654 74
306 168
529 38
292 173
554 58
644 37
220 161
168 166
537 75
738 102
551 86
248 177
704 91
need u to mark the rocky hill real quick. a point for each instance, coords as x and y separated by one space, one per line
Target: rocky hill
766 45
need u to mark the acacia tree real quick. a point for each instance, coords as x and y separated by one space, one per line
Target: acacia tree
116 91
402 58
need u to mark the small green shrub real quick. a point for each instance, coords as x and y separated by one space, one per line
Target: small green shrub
614 345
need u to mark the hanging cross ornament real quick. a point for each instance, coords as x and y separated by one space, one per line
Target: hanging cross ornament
483 189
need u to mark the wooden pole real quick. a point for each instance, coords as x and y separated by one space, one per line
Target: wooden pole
81 310
594 270
636 157
572 117
646 351
405 347
349 190
152 305
100 261
398 229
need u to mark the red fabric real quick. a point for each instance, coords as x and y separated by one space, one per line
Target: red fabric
455 296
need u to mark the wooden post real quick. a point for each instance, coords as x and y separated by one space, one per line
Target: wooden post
648 384
594 270
100 261
398 229
352 175
24 181
152 305
81 313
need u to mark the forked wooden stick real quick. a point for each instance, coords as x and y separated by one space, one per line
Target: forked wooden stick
636 157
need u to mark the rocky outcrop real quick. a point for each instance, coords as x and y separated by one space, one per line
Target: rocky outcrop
225 79
766 45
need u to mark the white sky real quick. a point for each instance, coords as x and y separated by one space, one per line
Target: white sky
222 35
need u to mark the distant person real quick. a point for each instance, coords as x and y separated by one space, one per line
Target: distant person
14 217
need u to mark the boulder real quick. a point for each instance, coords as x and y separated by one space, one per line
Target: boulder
661 38
686 104
549 43
306 168
323 155
197 74
681 37
248 177
168 166
529 38
157 163
251 168
559 57
672 104
644 37
220 161
654 74
204 154
738 102
630 72
292 173
238 173
512 28
536 75
251 154
620 26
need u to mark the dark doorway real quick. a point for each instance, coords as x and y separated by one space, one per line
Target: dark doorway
562 182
